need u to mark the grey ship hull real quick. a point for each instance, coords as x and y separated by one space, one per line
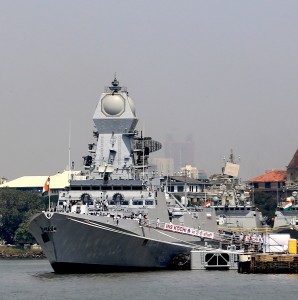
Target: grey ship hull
78 243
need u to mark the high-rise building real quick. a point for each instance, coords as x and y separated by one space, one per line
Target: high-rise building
182 152
163 166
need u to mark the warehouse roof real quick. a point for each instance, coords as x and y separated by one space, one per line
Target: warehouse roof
57 181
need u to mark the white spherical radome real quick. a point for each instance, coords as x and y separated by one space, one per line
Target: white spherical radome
113 105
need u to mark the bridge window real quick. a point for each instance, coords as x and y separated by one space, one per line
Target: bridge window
149 202
85 188
137 202
75 188
117 188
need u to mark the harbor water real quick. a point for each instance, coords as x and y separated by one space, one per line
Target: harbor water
35 279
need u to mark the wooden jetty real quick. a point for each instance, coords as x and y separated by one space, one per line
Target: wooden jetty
268 263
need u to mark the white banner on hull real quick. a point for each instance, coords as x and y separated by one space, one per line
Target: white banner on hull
189 231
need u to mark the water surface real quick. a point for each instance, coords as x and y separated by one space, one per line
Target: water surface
35 279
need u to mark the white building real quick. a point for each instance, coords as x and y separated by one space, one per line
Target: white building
35 183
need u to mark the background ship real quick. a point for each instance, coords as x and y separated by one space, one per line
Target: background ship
286 216
114 215
233 200
286 213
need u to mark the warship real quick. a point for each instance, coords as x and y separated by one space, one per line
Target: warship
232 199
286 214
114 215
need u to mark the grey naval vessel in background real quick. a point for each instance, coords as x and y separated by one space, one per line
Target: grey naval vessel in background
114 215
286 216
233 200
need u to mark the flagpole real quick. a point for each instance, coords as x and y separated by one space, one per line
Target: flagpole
49 196
69 152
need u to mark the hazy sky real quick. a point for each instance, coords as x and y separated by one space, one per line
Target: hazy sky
224 72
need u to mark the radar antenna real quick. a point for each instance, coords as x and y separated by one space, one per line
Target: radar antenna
115 85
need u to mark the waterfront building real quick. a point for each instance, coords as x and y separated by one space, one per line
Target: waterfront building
189 171
270 181
283 181
35 183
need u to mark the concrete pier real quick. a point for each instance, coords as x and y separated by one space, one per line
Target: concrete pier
214 259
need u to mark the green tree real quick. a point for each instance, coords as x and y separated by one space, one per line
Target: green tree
16 208
22 234
266 202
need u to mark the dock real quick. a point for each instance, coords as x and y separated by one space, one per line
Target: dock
276 258
268 263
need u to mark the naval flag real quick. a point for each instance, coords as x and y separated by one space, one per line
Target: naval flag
46 186
288 205
207 203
